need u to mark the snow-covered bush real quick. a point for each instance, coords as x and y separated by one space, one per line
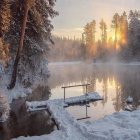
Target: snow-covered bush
4 108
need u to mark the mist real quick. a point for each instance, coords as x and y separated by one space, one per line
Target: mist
114 82
114 44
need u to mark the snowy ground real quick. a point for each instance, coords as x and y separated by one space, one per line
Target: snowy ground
119 126
18 91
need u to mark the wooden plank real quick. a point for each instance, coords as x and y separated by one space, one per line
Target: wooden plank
83 118
75 86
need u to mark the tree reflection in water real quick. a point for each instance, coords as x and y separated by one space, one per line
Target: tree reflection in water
114 82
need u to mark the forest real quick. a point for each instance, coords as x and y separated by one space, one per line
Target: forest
25 32
122 42
117 43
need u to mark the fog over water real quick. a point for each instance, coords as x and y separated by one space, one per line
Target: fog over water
114 82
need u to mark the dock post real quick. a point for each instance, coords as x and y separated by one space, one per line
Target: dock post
86 89
86 101
64 95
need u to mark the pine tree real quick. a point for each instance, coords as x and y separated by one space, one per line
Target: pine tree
33 42
123 29
4 16
134 33
103 28
116 26
89 33
4 27
27 6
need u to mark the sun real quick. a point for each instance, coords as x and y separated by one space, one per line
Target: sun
118 37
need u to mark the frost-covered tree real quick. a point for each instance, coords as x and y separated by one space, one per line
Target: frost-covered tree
4 27
123 29
27 5
89 34
4 108
4 16
134 33
103 28
116 26
32 43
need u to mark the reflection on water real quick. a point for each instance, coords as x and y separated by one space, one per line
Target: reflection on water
22 123
114 82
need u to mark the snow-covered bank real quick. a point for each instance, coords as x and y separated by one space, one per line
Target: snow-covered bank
25 83
119 126
18 91
84 99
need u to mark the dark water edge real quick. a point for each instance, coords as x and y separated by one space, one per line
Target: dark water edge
23 123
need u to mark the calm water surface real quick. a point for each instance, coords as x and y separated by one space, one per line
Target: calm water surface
114 82
23 123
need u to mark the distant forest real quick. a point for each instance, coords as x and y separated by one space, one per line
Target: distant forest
120 42
66 49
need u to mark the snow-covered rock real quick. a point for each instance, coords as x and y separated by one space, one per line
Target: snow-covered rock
129 99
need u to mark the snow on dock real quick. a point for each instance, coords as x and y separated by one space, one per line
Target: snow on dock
84 99
90 97
119 126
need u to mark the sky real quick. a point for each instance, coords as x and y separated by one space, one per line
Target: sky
75 14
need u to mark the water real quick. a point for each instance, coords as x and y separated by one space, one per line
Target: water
23 123
114 82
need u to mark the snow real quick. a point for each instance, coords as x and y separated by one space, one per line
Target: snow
4 108
20 90
130 107
119 126
84 98
129 99
32 106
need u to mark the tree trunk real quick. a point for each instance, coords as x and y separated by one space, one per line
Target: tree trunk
20 48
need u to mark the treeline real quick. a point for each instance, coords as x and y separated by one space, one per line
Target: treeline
121 40
66 49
